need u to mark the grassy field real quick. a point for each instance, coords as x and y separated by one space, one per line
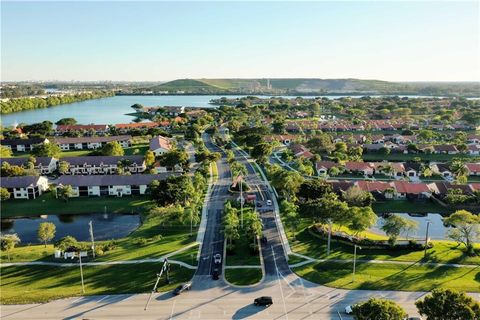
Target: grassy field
391 277
21 284
243 277
409 207
47 204
150 240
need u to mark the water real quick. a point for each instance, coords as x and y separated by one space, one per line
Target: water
105 226
112 110
436 231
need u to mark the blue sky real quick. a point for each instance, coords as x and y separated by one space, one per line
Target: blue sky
398 41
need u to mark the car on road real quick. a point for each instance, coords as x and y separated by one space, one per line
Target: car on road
181 288
349 309
264 239
215 274
217 258
263 301
259 204
269 202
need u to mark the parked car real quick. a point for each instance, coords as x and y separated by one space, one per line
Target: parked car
269 202
263 301
215 274
217 258
181 288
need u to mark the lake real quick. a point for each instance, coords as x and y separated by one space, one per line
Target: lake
436 231
112 110
105 226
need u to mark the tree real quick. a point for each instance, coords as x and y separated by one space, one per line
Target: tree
149 158
378 309
355 196
313 189
238 169
4 194
65 192
393 226
362 219
327 209
112 148
253 225
66 121
174 157
47 150
5 152
290 213
8 242
465 228
66 242
173 190
63 167
46 232
231 223
137 107
261 152
286 182
448 304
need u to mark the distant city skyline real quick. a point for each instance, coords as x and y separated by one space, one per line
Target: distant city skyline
163 41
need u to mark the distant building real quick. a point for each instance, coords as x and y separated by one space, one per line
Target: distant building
23 145
82 143
160 145
42 165
88 165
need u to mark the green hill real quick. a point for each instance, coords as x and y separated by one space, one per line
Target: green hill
301 86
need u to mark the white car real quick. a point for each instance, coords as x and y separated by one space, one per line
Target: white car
349 309
217 258
269 202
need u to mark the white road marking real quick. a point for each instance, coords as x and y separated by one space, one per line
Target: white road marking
173 307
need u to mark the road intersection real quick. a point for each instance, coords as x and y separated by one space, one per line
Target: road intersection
294 298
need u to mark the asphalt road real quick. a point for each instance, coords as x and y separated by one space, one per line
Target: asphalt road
294 298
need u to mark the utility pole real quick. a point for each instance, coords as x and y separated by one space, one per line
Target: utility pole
329 236
426 239
165 267
354 260
92 238
241 201
81 270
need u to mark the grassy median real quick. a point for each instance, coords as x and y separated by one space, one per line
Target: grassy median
243 276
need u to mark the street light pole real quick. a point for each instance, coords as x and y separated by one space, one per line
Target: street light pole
426 239
81 270
329 236
354 260
241 202
92 238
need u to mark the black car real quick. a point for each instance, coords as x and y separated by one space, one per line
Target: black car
264 239
263 301
181 288
215 274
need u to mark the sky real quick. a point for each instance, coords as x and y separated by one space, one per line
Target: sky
161 41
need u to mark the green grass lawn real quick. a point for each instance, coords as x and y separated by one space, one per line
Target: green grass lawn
407 206
309 244
47 204
137 149
391 277
29 284
243 277
188 256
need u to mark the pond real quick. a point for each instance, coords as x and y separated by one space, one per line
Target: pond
436 230
105 226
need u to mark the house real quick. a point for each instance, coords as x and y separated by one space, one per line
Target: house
412 169
81 143
109 185
377 188
341 186
197 113
323 167
300 151
473 139
442 169
42 165
404 189
171 110
23 145
160 145
126 127
473 149
94 128
88 165
392 169
445 148
473 169
25 187
365 168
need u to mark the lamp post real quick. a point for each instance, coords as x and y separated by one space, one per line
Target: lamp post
355 260
426 239
329 236
90 224
81 270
